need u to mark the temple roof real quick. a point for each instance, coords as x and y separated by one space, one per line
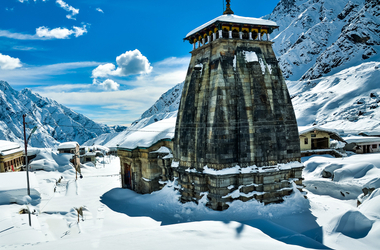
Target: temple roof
236 20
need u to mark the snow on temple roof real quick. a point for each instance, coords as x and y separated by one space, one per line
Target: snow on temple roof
234 19
8 147
149 135
67 145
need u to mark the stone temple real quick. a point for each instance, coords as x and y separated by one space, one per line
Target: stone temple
236 135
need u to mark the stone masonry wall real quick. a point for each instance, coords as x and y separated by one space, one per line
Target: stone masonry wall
235 111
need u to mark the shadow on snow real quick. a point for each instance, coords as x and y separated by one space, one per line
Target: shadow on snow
290 222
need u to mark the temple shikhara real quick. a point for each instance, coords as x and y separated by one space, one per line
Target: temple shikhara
236 135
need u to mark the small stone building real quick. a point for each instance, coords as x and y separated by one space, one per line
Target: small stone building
12 156
362 144
146 157
71 147
316 140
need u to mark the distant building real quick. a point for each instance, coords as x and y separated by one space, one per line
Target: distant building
12 156
316 140
362 144
71 147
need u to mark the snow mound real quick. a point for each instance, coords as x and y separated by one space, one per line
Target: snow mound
371 206
353 224
341 178
49 160
13 188
352 171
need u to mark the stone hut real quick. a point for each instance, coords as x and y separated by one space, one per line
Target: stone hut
146 157
12 156
236 133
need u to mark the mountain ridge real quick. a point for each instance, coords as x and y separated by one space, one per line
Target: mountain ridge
56 123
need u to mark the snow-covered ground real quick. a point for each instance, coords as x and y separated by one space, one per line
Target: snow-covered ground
115 218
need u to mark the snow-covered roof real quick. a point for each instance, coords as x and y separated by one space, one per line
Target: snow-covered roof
8 147
102 148
370 133
362 139
68 145
149 135
234 19
162 150
332 132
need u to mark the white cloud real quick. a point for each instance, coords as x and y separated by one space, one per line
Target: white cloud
100 10
129 63
33 75
7 62
113 106
107 84
103 70
60 33
68 8
44 33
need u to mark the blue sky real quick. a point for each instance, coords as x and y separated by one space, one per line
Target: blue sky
109 60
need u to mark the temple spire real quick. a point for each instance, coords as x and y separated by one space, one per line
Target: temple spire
228 10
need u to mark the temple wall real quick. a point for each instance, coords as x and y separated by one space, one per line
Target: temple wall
235 110
146 168
267 187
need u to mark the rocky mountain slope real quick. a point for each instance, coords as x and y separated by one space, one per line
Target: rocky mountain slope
319 37
56 123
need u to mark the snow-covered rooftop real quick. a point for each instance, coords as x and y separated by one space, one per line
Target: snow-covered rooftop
7 147
362 139
333 133
162 150
66 145
149 135
234 19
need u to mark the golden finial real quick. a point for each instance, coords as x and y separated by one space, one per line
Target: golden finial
228 10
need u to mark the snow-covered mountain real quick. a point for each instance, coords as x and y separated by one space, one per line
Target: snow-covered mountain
319 37
56 123
165 107
348 100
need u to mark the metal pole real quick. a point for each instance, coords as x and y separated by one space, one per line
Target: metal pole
26 163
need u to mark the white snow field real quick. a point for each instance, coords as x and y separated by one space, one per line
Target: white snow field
115 218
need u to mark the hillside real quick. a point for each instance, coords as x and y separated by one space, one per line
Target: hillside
319 37
56 123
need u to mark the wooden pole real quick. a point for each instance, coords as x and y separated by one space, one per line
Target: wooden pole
26 163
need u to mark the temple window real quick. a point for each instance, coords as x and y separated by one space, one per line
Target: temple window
235 34
225 33
254 35
245 35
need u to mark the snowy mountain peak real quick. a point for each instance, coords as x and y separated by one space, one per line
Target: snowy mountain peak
56 123
319 37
